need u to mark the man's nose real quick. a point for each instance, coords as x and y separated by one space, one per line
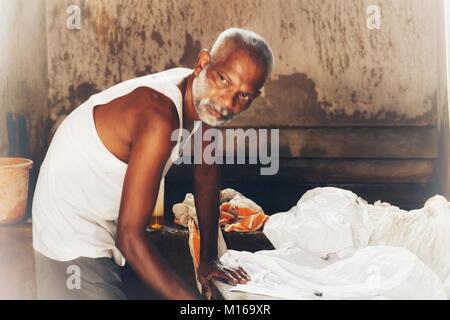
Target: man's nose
227 102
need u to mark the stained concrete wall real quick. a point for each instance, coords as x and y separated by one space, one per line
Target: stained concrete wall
23 75
442 166
23 92
331 69
347 98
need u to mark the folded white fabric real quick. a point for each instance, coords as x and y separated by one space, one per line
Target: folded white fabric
412 249
374 272
425 232
325 220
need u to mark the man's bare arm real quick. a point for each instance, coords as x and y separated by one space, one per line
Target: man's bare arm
207 203
150 149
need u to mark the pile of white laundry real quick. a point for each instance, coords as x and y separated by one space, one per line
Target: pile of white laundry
334 245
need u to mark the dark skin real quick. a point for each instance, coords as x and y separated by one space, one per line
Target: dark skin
136 128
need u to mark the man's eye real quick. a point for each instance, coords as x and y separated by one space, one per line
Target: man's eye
222 78
244 96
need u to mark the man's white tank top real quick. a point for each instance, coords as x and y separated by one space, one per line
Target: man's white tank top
77 198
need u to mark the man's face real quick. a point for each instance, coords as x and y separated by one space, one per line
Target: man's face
227 87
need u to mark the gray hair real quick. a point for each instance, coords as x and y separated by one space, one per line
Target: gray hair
249 41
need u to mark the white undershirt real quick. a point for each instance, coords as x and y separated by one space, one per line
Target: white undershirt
77 198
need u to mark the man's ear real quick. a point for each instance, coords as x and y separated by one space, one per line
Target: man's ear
203 60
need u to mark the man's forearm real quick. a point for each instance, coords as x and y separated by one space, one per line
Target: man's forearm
153 269
207 201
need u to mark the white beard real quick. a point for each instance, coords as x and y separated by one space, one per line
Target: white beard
201 101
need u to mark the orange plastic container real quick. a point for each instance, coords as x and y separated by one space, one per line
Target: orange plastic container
14 177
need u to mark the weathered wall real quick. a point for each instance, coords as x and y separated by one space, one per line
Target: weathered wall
331 69
442 165
339 90
23 74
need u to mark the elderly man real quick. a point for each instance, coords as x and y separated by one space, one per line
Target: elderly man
99 182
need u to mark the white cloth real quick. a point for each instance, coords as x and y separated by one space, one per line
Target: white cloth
77 198
425 232
325 220
336 225
371 273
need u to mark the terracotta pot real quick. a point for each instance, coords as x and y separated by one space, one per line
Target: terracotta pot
14 177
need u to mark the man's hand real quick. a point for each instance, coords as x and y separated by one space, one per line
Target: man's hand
215 269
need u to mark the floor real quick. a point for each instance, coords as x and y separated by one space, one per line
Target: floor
16 262
17 280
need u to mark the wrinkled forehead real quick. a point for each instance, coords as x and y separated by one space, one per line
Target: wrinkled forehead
241 67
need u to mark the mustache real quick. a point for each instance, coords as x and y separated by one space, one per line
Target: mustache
225 112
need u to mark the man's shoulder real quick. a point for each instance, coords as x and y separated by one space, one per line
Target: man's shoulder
156 111
152 97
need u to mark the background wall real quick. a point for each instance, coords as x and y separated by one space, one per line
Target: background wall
331 69
443 178
23 95
357 107
23 77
